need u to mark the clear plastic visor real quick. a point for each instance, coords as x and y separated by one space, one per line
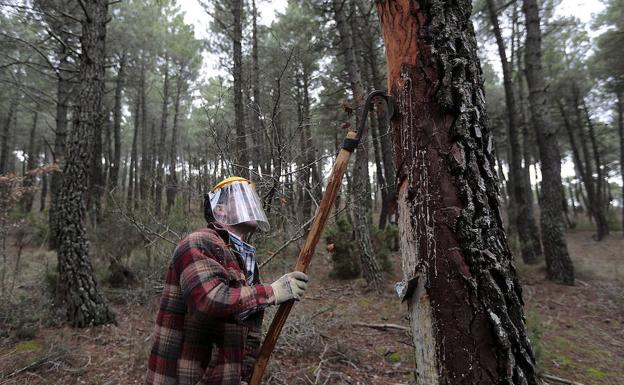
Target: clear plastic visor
238 202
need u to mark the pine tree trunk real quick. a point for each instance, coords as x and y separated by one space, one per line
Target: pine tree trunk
172 177
5 148
384 138
558 263
258 128
145 174
85 305
116 161
602 226
32 163
63 93
530 248
242 157
44 181
132 172
620 118
96 180
160 150
463 295
361 198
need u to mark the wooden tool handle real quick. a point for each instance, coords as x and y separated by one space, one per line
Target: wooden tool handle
320 218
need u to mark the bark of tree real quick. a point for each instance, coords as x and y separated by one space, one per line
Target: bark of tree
32 163
116 160
558 263
463 295
530 247
63 93
242 157
84 304
370 267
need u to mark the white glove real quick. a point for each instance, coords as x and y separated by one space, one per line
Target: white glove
290 286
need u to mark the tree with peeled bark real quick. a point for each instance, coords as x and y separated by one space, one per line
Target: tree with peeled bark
84 304
558 263
464 298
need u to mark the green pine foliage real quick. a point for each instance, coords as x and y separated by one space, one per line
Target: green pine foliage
344 262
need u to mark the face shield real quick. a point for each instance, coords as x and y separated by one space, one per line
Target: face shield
235 202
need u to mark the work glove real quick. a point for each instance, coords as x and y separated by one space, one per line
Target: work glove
290 286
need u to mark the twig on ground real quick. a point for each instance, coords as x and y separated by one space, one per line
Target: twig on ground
318 313
560 380
382 326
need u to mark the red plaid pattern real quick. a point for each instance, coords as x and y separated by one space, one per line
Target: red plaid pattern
208 328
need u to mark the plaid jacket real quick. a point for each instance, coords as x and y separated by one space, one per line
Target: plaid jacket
208 327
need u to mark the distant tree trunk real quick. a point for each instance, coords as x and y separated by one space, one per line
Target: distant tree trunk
602 226
242 157
132 172
124 175
370 267
63 93
258 129
585 161
107 150
384 138
160 150
44 181
620 118
32 163
501 175
379 172
558 263
96 182
463 295
5 149
576 158
523 214
172 177
145 175
84 304
114 165
305 146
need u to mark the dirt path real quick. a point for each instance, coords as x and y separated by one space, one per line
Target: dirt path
579 332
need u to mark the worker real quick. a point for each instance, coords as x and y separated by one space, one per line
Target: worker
208 327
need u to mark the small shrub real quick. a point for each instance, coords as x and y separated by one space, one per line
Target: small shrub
341 244
385 242
535 329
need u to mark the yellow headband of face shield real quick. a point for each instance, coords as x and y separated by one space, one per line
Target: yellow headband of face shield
229 180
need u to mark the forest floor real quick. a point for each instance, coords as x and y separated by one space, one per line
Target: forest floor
578 331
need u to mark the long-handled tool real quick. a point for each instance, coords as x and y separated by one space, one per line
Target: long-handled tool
349 144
